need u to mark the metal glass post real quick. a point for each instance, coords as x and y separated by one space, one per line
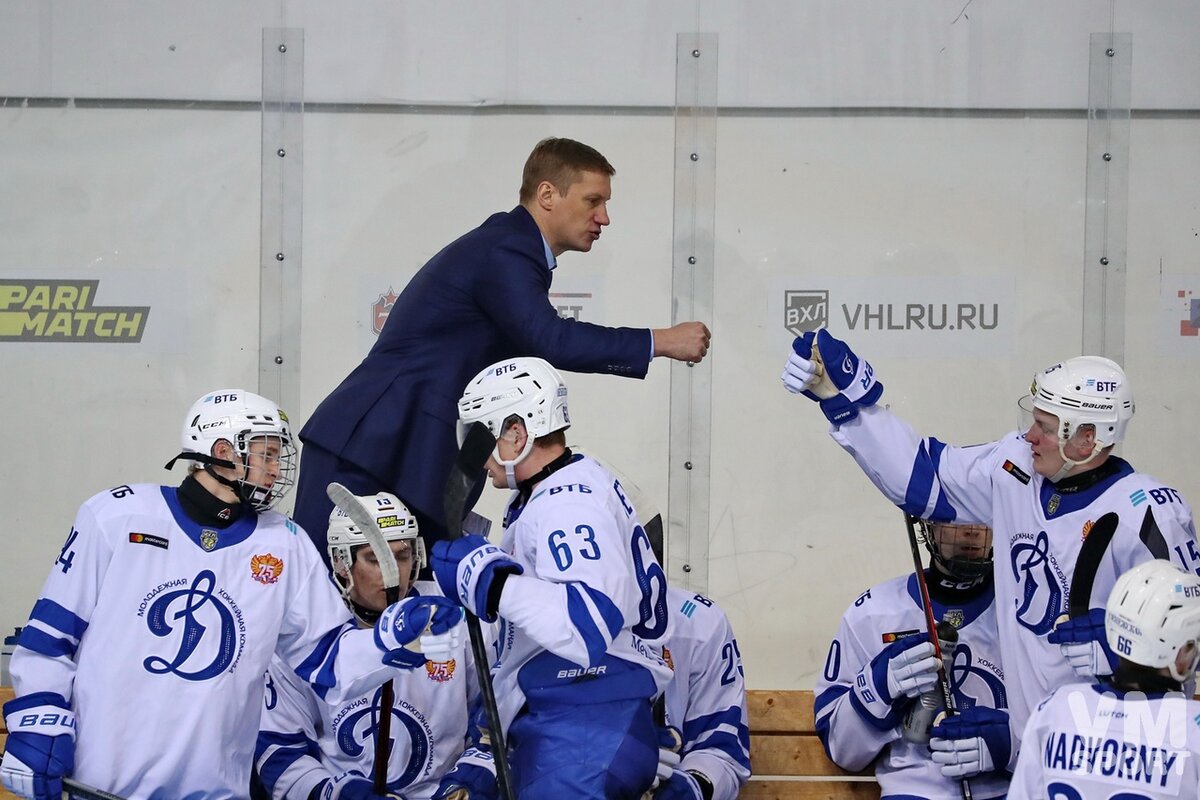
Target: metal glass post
692 298
282 203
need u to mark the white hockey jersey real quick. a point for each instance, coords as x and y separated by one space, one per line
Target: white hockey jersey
589 616
428 727
706 698
157 631
1037 531
1091 742
881 615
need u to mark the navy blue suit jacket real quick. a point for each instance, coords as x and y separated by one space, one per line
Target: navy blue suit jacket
482 299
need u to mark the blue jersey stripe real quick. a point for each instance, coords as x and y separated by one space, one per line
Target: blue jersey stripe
59 618
609 612
288 749
317 669
581 618
41 642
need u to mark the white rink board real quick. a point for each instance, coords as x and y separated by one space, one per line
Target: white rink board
162 208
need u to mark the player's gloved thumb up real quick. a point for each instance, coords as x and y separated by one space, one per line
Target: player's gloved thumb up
975 741
405 627
1084 644
904 669
470 568
473 777
352 785
824 369
41 745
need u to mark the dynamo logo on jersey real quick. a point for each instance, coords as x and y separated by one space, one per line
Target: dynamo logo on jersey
1039 583
201 621
355 732
972 684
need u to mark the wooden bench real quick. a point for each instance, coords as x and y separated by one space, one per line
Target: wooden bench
785 753
787 758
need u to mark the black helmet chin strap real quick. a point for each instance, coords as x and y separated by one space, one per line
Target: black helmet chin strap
242 489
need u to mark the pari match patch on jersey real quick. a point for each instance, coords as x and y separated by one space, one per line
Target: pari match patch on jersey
894 636
1016 472
148 538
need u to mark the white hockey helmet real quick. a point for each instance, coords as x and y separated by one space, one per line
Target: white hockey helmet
239 417
528 388
1153 611
1085 390
343 537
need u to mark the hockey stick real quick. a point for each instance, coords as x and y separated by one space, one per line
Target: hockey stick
463 478
364 520
1091 553
931 624
74 789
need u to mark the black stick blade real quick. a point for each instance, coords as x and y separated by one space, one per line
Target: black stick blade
473 454
1091 553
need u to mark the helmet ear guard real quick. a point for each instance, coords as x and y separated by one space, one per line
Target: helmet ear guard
1153 612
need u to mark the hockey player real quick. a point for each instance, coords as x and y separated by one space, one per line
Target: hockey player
877 695
706 702
140 669
1039 490
1133 737
308 748
574 583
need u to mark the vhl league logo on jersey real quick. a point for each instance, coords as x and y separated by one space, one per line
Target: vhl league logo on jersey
805 311
208 539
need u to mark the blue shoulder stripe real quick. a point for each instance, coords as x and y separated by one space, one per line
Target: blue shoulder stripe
613 619
317 669
40 642
581 618
34 700
827 698
736 746
921 483
59 618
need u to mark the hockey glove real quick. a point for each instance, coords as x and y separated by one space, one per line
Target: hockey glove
403 629
473 778
670 742
681 785
824 369
466 568
350 786
41 745
975 741
1084 644
905 668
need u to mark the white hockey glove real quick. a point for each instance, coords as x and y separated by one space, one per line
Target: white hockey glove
824 369
905 668
1084 644
404 626
41 745
970 743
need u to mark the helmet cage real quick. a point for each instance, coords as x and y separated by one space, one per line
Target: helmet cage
936 540
344 538
240 417
1153 611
